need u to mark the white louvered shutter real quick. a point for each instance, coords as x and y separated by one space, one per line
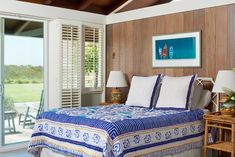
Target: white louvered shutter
71 66
93 52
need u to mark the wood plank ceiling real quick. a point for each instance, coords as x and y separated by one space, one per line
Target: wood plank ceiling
100 6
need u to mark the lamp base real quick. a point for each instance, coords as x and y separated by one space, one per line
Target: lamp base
116 96
228 109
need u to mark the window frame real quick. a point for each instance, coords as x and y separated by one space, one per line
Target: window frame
90 90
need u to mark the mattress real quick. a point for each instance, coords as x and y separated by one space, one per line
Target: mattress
117 130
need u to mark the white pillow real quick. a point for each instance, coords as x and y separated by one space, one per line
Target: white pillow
176 92
142 90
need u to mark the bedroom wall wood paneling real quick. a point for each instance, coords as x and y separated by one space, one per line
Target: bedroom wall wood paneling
129 44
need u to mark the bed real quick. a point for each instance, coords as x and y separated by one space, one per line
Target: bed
128 131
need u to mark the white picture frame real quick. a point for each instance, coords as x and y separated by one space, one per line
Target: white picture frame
192 38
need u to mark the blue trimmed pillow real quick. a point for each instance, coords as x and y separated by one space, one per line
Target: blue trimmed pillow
143 91
176 92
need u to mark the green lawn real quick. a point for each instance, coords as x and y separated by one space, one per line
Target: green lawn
23 92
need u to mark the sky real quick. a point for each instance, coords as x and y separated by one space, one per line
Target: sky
20 50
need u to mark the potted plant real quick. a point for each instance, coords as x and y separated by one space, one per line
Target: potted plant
228 107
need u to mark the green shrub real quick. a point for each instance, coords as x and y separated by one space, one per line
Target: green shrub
19 81
8 104
9 81
22 81
35 81
26 81
23 72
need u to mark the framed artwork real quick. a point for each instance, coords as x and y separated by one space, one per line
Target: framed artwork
177 50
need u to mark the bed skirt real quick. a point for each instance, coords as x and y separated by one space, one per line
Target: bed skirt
192 153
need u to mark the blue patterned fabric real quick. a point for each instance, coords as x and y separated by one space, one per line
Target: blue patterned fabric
115 130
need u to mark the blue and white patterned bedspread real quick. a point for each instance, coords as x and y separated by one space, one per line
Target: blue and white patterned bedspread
116 130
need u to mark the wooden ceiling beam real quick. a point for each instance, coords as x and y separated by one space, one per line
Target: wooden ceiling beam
120 7
48 2
115 5
84 4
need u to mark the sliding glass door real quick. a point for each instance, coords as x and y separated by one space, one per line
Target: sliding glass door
22 96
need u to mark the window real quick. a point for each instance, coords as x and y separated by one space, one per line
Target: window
72 49
71 66
93 59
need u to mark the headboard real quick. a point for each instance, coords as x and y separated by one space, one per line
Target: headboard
208 83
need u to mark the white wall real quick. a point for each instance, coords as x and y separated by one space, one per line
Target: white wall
164 9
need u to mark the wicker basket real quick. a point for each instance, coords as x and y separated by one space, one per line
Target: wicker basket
227 111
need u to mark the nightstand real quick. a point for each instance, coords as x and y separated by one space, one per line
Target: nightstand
225 127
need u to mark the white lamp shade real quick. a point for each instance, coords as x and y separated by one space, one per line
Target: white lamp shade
224 79
116 79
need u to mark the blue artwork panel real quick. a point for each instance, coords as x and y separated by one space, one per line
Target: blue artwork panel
171 49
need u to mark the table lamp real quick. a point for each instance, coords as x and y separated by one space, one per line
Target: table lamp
224 79
116 80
